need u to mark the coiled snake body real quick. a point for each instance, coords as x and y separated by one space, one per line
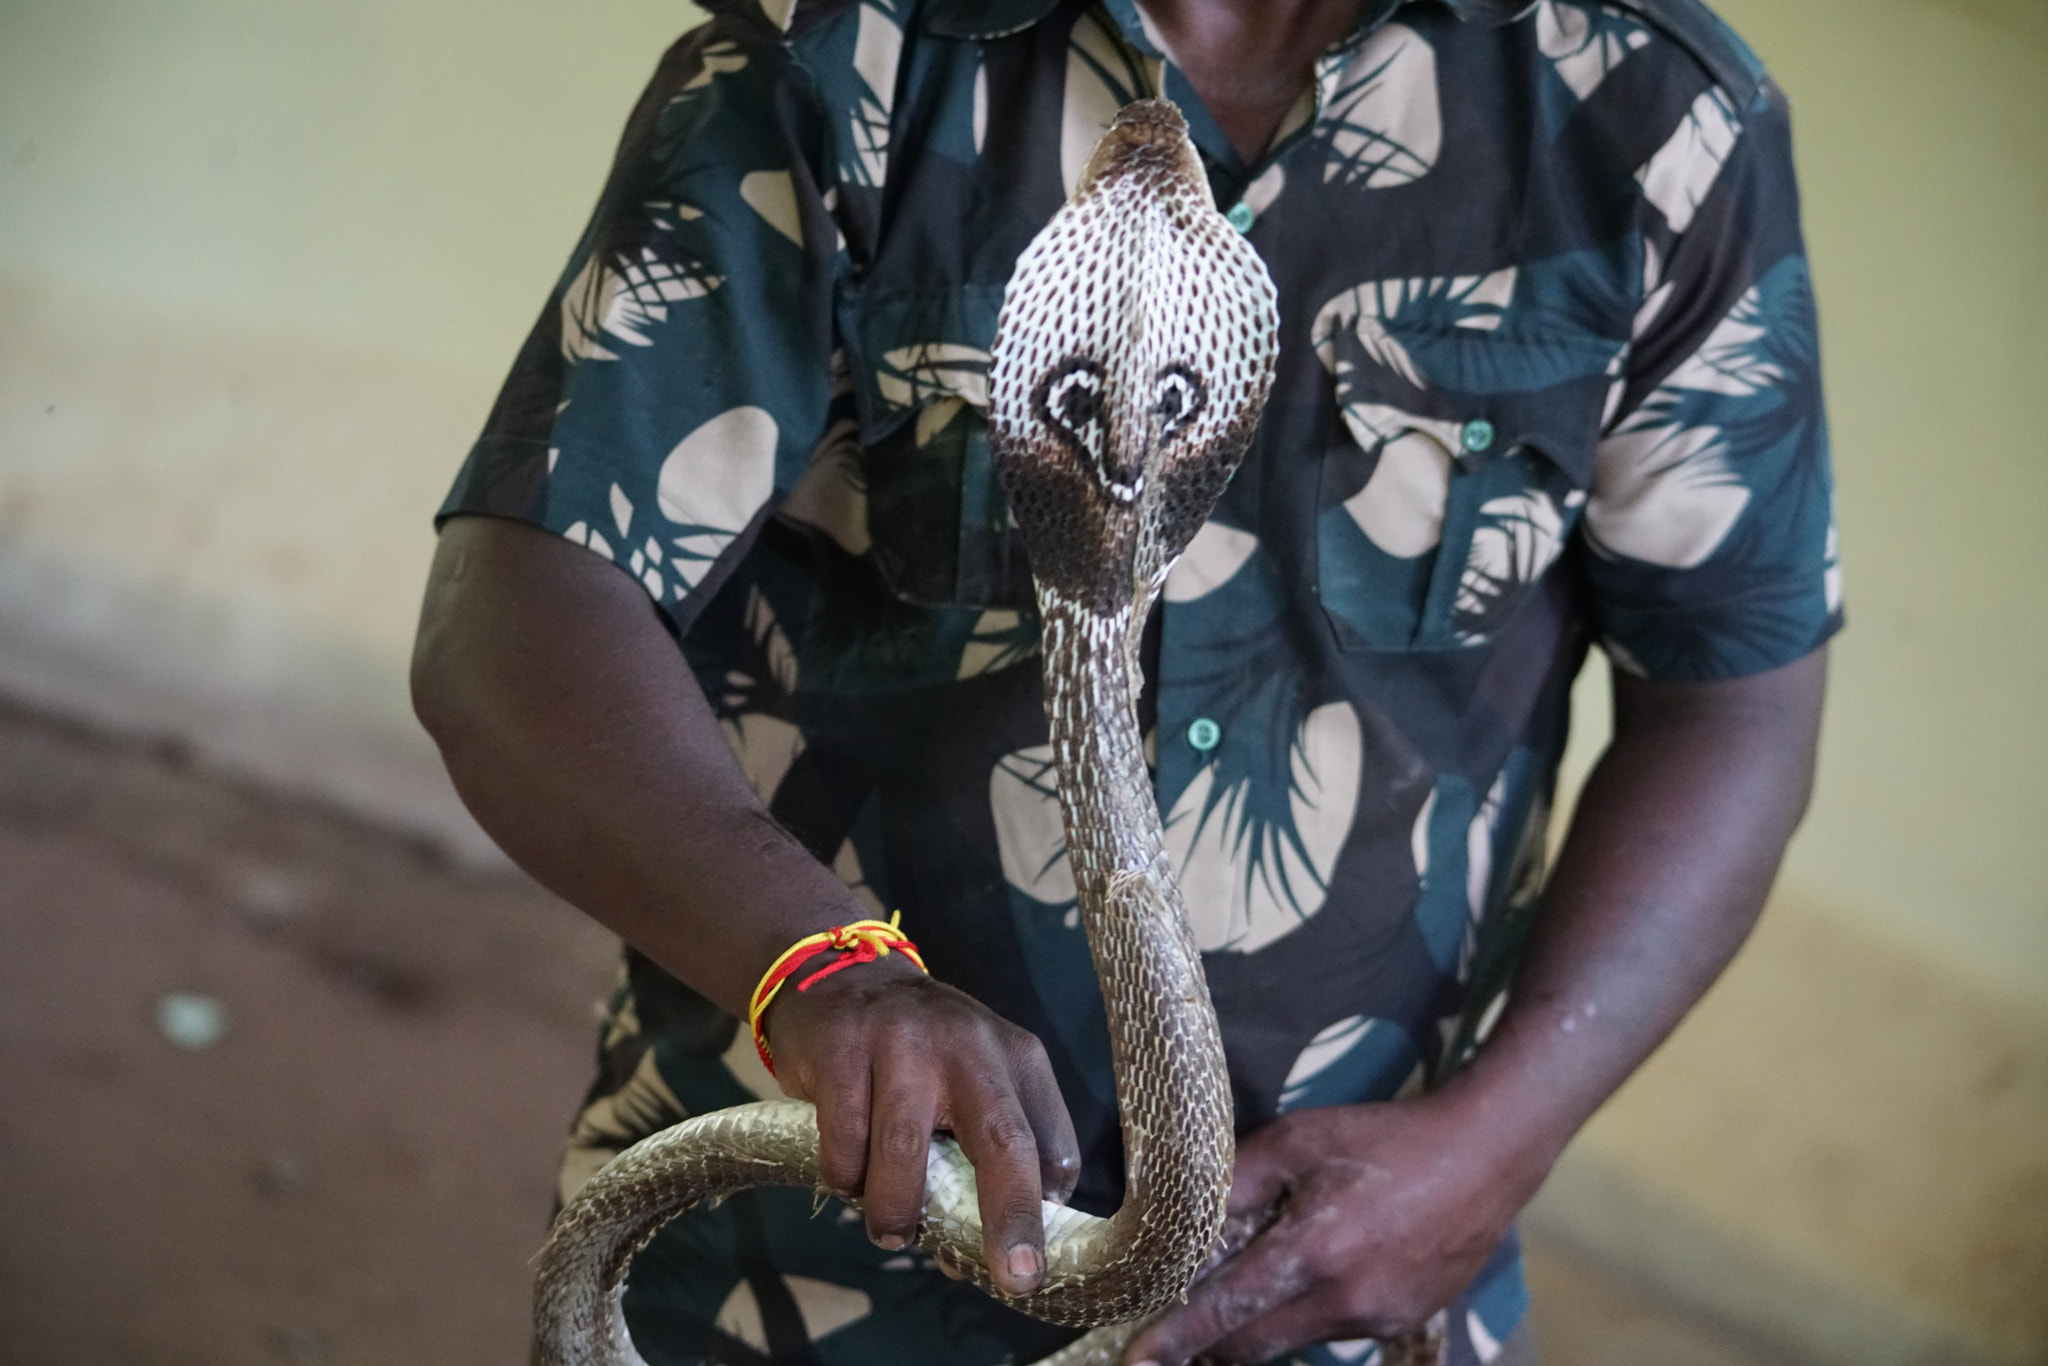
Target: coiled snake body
1134 353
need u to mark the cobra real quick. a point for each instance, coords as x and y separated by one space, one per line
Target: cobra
1133 356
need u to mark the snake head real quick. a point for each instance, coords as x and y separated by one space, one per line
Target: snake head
1133 356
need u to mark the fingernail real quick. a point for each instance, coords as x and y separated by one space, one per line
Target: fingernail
1024 1264
891 1242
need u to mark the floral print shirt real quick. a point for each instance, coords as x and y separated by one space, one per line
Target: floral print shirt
1548 377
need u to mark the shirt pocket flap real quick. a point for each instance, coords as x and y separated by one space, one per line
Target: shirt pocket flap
940 526
909 347
1432 530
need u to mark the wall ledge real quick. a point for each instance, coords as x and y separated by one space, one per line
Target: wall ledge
122 664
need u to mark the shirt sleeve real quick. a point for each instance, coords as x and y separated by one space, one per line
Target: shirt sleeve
1710 518
679 377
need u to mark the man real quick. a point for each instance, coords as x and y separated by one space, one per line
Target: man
1547 375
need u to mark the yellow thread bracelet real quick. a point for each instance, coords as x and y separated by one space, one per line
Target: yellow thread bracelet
862 942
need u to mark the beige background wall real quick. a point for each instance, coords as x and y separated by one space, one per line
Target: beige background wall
261 267
1924 134
1850 1138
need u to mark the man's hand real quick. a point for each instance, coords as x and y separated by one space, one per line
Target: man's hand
1386 1213
889 1056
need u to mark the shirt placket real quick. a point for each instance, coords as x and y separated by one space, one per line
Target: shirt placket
1187 736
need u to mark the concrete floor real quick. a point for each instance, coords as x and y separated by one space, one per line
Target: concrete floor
358 1170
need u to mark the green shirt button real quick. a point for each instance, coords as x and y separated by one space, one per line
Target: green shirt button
1241 216
1478 436
1205 734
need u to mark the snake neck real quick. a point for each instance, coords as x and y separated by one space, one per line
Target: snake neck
1112 820
1173 1090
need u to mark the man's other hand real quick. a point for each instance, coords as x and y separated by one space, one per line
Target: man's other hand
1386 1214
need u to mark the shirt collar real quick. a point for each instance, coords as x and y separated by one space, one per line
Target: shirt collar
985 18
996 18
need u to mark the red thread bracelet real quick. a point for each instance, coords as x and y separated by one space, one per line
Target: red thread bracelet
861 942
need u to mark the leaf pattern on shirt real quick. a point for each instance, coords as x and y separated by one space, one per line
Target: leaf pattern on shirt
1254 863
1682 174
1401 508
718 59
1732 360
713 484
1382 123
1349 1061
1002 638
910 375
1024 798
1376 313
625 289
1516 541
1664 490
1254 826
823 1306
1586 42
1722 472
1211 560
1455 841
877 50
756 701
614 1122
624 300
1441 847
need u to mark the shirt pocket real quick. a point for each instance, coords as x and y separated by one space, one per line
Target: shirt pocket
1430 532
1466 415
938 522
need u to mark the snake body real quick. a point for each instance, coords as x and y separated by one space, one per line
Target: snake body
1133 355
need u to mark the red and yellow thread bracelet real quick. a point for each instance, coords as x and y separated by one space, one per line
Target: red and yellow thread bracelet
861 942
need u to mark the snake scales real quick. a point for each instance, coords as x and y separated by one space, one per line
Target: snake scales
1134 354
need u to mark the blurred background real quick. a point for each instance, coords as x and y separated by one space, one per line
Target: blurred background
286 1049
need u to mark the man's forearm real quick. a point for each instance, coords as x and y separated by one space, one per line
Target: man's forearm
1671 854
575 732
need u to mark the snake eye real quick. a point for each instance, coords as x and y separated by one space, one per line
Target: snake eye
1178 398
1071 400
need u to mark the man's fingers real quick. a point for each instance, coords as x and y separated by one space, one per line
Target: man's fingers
1052 1129
993 1131
1243 1291
903 1112
1296 1323
842 1102
1264 1168
929 1058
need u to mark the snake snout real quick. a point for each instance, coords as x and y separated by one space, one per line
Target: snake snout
1148 139
1149 121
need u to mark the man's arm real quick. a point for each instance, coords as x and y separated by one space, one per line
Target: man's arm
1391 1209
576 734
